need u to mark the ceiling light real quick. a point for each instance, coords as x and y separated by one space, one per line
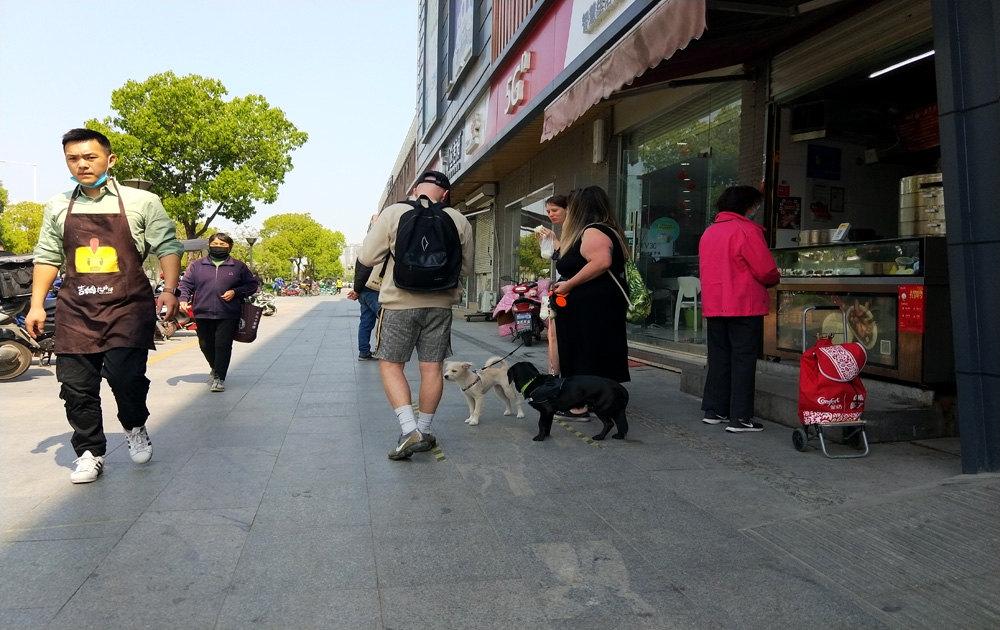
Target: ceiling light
900 64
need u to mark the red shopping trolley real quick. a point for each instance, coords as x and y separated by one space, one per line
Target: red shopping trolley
831 393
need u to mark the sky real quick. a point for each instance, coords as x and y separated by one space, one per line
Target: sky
343 71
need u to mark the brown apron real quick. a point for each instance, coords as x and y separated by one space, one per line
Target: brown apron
106 300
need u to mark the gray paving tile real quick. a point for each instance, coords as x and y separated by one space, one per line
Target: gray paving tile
332 557
207 493
124 607
313 504
26 618
499 604
395 503
265 608
46 573
327 409
458 551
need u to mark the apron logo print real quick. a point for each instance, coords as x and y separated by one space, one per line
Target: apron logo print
92 290
96 258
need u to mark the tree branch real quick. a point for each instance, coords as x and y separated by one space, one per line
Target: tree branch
204 228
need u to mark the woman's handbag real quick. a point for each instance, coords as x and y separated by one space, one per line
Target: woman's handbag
639 298
250 315
375 282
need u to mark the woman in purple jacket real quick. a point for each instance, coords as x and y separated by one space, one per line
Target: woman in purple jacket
736 268
216 285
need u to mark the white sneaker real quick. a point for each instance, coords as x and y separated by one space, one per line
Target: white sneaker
88 468
218 385
140 449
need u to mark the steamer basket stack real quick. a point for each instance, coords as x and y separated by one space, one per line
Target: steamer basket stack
921 205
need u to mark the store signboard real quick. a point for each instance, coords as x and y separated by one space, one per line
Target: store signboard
530 69
590 19
912 302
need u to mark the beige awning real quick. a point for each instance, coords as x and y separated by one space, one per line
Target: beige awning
666 29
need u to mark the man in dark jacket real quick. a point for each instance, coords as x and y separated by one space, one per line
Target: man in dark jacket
368 300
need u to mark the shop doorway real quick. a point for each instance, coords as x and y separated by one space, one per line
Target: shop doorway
524 215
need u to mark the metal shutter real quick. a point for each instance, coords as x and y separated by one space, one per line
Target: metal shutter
880 31
484 242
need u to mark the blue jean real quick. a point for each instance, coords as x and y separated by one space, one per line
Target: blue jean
368 301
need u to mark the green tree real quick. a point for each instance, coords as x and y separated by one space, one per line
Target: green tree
207 157
3 198
532 264
19 226
300 237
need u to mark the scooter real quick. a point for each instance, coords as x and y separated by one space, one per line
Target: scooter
17 347
528 325
266 302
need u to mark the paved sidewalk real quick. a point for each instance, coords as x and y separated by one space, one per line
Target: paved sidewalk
273 505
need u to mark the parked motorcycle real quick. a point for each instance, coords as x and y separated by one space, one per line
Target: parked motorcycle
517 312
17 347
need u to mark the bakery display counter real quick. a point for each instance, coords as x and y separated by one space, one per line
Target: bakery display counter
895 294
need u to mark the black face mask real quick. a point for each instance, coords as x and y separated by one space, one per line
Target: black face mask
219 253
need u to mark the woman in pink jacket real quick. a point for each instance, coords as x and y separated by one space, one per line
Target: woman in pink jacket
735 268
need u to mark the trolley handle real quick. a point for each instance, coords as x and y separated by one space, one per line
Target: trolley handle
821 307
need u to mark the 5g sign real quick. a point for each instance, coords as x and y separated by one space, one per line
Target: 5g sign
516 83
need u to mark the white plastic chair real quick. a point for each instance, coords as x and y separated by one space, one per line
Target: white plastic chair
688 290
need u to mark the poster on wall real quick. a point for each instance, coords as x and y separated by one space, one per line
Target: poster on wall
819 201
463 24
790 213
823 162
658 240
836 199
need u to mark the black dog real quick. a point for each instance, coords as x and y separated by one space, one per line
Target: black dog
550 395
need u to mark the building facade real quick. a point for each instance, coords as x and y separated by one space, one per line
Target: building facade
831 107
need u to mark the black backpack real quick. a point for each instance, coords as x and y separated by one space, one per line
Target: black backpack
428 254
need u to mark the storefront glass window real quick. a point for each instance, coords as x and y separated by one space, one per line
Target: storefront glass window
673 170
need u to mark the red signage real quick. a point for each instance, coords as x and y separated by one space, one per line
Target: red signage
528 72
912 300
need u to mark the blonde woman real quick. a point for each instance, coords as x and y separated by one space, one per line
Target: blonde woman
591 332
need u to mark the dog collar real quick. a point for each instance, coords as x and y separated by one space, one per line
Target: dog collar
479 379
528 383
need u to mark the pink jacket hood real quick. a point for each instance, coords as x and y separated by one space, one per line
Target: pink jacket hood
736 267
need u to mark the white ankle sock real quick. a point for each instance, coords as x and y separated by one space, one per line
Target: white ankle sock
424 422
407 422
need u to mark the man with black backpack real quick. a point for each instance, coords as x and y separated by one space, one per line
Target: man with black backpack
428 246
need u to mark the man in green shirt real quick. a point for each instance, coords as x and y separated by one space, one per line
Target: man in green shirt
101 232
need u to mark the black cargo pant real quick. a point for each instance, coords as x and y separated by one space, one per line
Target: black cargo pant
734 345
80 376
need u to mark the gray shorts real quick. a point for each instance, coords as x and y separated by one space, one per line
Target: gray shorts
426 329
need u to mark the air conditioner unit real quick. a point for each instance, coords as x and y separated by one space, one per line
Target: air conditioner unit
482 196
487 300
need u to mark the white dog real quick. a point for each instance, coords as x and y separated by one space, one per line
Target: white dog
475 384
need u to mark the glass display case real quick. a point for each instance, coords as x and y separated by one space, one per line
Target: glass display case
894 294
896 257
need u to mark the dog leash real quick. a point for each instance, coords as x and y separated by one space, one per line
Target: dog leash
504 357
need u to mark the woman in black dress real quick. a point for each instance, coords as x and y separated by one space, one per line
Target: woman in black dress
591 331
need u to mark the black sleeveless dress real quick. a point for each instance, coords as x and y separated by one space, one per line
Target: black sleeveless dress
590 329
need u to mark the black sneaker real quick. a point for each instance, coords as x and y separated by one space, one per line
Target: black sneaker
366 357
407 445
714 418
744 426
